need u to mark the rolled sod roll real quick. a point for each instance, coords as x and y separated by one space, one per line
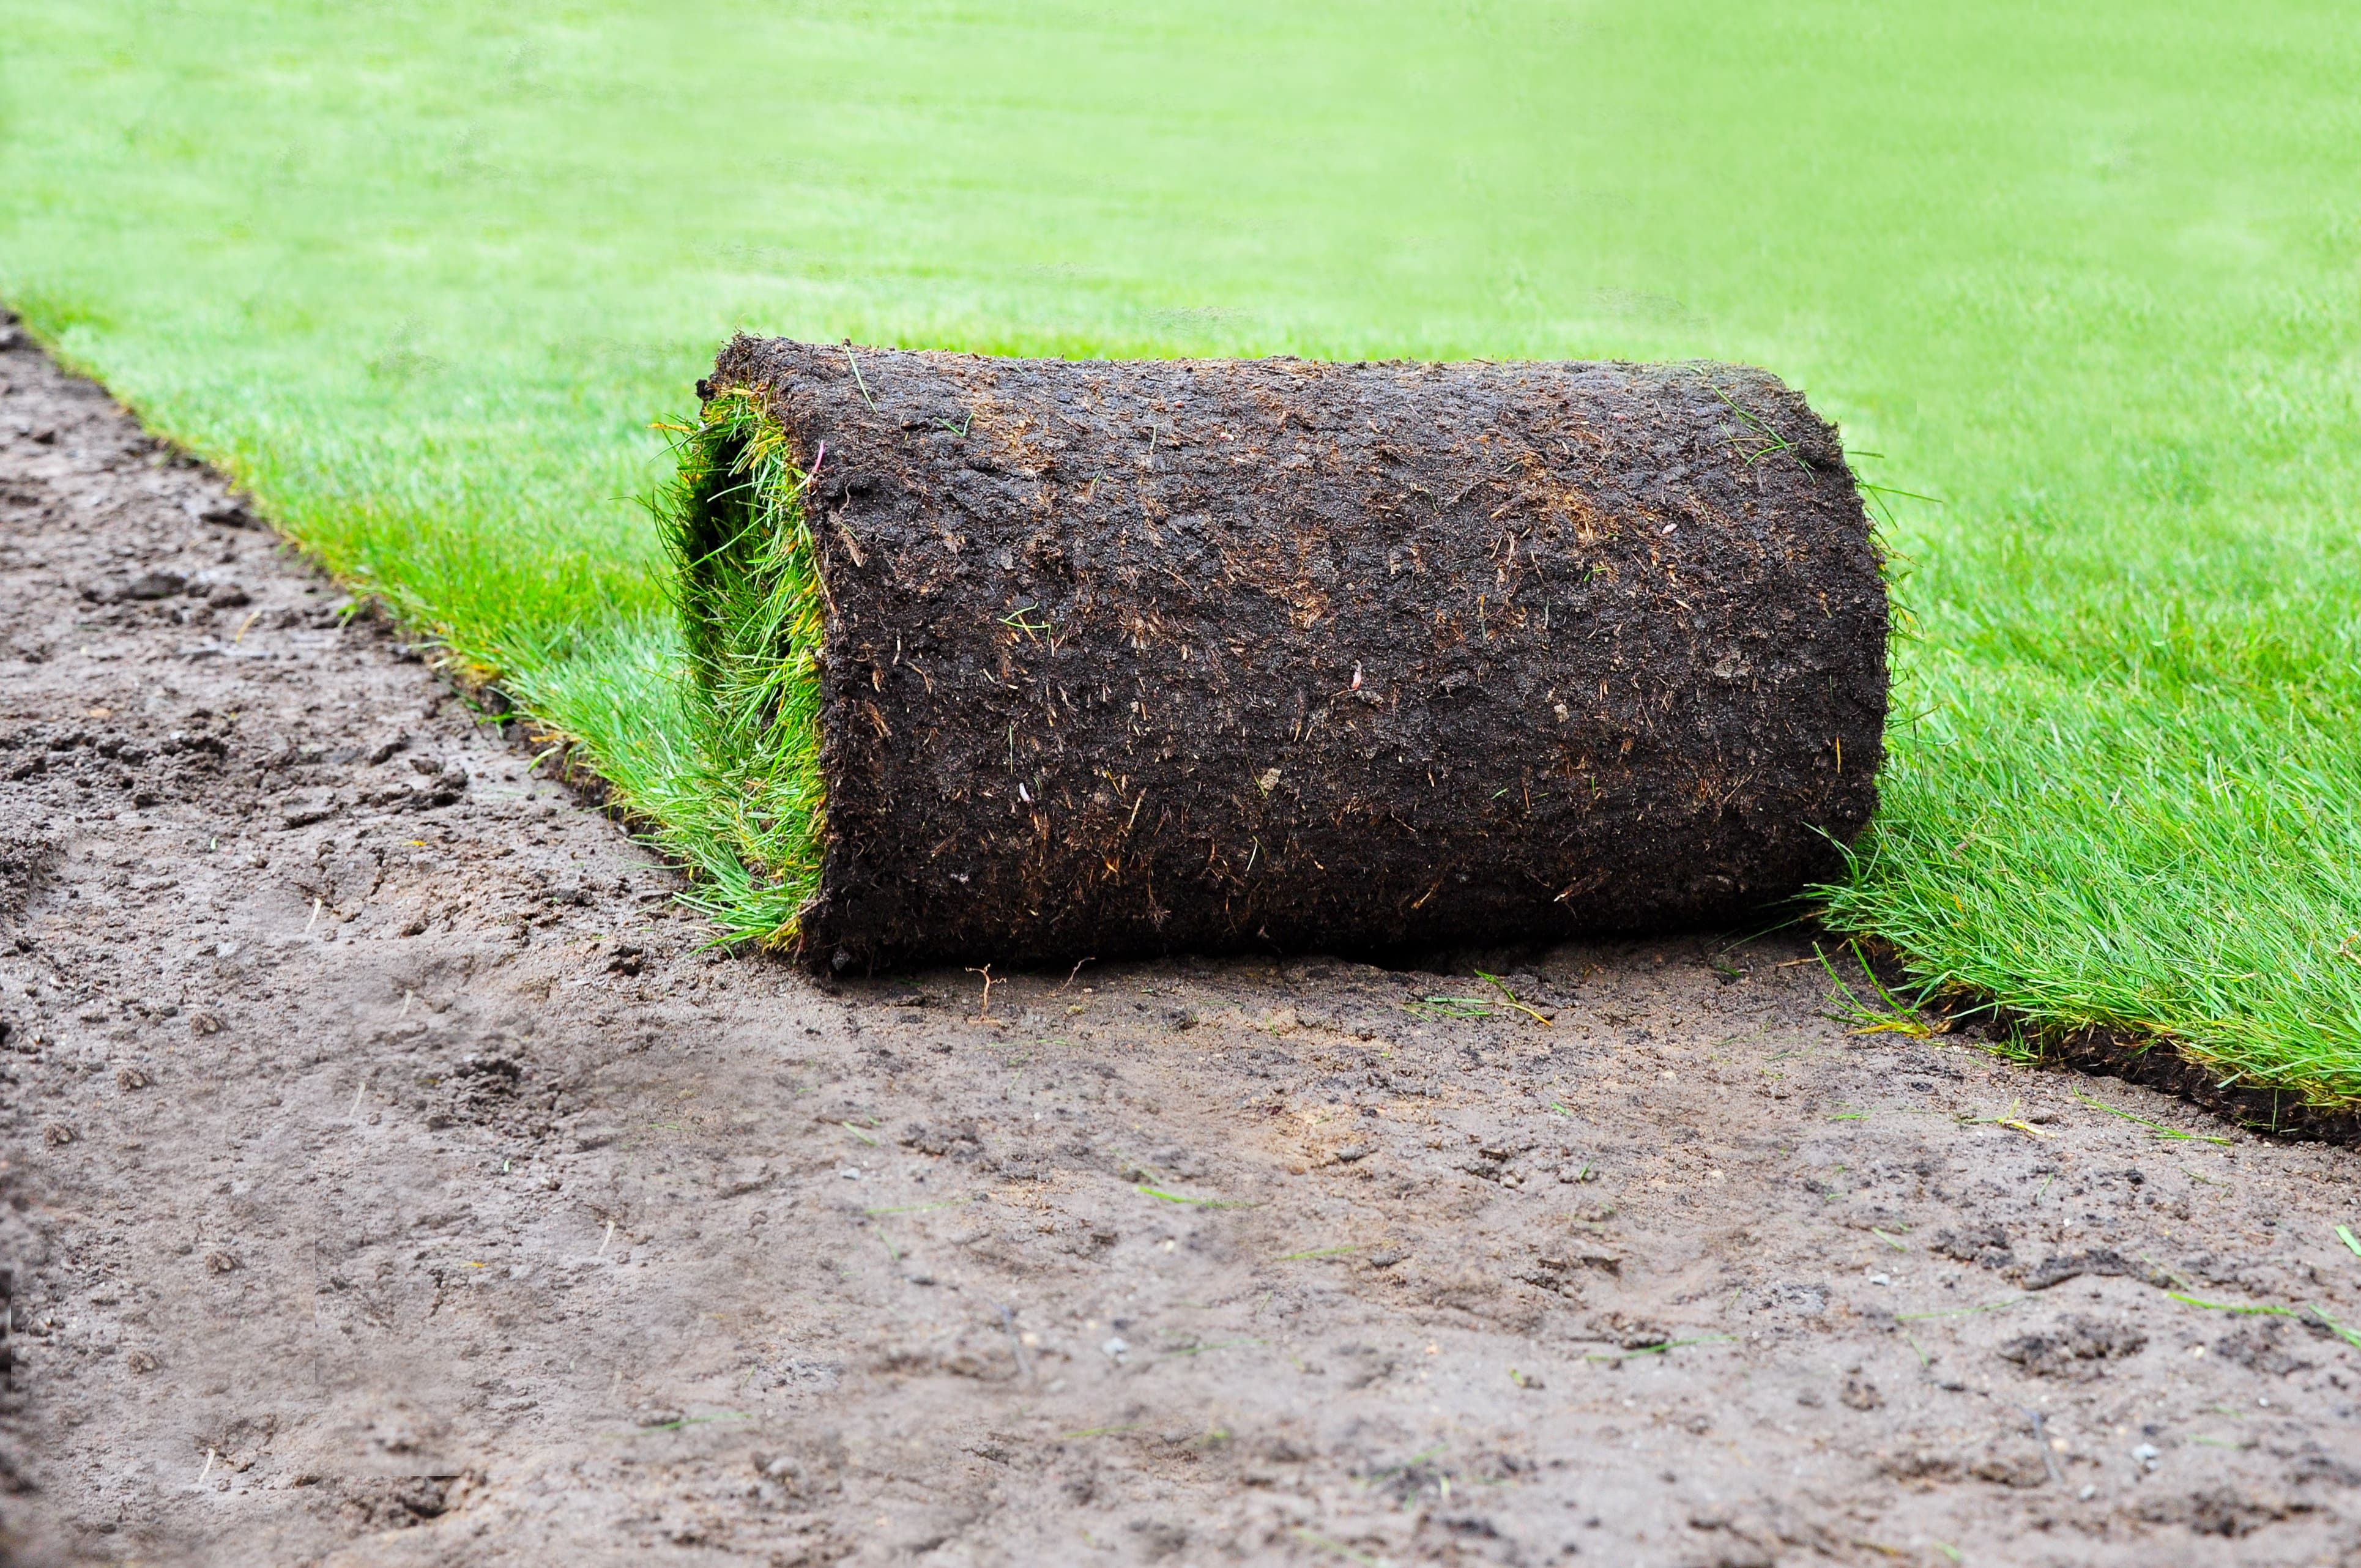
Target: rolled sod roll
1054 660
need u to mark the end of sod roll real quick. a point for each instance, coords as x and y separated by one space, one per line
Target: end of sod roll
1028 660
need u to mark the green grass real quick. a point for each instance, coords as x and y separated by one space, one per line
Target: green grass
749 602
423 275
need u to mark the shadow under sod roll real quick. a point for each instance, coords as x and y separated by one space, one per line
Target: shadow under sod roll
1070 659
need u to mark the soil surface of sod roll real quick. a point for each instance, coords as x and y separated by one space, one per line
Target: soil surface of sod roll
1068 660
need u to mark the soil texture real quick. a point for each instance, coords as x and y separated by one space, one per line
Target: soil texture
1143 657
392 1178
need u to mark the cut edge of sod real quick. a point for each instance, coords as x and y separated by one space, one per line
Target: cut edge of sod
2237 1071
747 587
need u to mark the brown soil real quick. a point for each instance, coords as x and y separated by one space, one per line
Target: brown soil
1143 657
394 1181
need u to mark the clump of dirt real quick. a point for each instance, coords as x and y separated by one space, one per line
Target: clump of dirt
2074 1348
393 1178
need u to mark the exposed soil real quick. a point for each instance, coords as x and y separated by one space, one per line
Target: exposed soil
1145 657
393 1180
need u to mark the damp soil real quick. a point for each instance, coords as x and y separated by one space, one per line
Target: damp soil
393 1178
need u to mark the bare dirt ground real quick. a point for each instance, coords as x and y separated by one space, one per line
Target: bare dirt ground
393 1180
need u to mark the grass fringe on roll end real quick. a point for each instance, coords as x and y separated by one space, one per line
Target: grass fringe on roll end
751 613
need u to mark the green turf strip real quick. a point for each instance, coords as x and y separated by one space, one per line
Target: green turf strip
425 274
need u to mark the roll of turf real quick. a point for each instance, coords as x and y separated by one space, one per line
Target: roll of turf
1033 660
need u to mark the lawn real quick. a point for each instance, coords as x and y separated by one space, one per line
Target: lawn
425 275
